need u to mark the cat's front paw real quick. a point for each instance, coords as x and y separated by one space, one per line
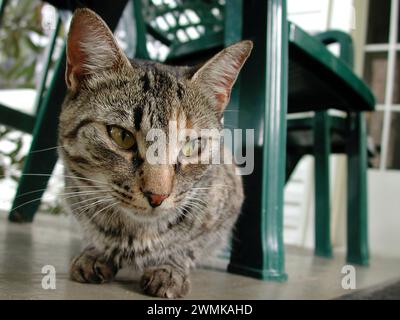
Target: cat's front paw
89 267
165 282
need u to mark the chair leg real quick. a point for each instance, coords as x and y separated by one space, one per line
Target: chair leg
40 162
257 247
322 150
357 210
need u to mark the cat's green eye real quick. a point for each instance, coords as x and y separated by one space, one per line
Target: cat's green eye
122 138
191 147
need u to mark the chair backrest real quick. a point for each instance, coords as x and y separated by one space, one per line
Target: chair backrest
183 26
344 41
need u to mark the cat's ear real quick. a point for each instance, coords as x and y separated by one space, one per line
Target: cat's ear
91 48
218 75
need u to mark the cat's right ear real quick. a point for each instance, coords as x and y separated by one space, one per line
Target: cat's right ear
91 48
218 75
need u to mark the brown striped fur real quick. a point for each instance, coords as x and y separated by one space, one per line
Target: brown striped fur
105 89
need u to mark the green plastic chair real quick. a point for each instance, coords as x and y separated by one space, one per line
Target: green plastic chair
322 135
289 71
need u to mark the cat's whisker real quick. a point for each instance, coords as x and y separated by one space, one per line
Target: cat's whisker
99 196
199 202
190 213
88 192
197 206
185 211
46 149
84 193
212 186
198 199
25 203
79 211
82 186
75 194
187 207
44 189
65 196
110 217
61 176
195 197
85 200
85 208
105 208
181 212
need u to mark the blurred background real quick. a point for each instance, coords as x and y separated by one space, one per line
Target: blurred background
25 32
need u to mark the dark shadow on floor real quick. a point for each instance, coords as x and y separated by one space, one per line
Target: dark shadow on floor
388 291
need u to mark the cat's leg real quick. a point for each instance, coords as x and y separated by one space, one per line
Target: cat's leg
166 281
169 278
92 267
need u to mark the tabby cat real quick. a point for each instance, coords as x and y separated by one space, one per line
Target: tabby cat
157 218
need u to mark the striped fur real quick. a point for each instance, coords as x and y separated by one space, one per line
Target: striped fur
122 228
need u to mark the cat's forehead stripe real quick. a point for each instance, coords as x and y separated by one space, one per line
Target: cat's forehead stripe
146 83
138 115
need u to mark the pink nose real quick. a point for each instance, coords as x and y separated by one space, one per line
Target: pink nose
155 199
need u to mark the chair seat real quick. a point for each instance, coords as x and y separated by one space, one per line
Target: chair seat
318 80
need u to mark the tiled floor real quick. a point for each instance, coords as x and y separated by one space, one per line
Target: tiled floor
25 249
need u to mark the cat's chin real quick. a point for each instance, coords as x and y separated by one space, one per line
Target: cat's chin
149 215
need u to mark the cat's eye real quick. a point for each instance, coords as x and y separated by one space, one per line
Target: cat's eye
122 137
191 148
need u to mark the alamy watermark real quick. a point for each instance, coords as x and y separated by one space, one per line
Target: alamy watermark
349 280
49 278
204 146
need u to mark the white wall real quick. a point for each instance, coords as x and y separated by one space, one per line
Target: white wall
321 15
384 212
311 15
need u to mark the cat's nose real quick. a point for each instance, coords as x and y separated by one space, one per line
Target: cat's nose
155 200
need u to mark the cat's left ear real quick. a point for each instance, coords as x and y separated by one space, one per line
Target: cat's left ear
91 48
218 75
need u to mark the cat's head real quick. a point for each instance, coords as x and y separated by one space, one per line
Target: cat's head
113 104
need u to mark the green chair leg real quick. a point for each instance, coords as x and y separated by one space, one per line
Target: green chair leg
322 146
3 4
39 165
257 247
50 50
357 211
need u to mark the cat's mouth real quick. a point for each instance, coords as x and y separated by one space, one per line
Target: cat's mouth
140 208
145 206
